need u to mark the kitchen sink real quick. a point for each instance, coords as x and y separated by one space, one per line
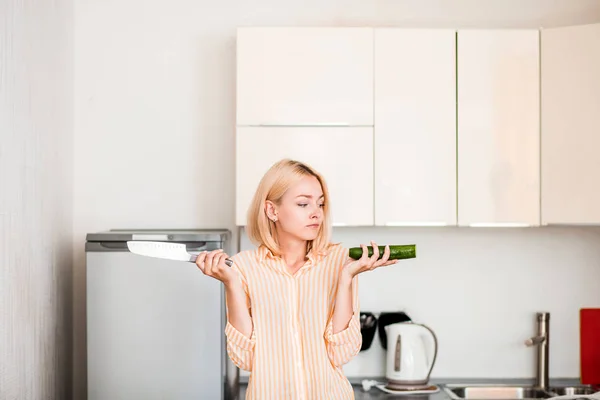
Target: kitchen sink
511 392
495 392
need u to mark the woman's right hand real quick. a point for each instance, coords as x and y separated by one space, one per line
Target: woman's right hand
213 264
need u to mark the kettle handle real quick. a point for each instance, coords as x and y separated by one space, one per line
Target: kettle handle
435 351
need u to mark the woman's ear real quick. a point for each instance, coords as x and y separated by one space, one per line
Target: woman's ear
271 210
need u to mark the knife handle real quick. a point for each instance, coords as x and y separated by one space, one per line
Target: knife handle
228 261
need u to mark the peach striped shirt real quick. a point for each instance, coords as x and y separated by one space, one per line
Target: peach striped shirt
292 352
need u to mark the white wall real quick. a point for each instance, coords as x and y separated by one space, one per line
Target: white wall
36 127
154 142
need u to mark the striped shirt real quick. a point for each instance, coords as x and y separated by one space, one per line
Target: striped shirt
292 352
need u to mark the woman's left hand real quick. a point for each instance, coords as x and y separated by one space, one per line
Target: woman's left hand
366 263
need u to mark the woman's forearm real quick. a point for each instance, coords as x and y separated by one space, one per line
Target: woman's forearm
237 309
342 312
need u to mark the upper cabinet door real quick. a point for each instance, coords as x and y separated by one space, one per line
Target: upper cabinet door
571 125
344 156
305 76
498 128
415 129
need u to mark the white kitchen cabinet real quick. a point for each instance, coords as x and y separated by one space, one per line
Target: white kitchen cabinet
296 76
415 129
343 155
571 125
498 128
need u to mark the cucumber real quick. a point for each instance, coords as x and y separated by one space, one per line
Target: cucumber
397 252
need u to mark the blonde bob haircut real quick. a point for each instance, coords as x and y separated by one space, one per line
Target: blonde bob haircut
273 185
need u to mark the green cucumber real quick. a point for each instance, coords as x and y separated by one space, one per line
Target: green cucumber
397 252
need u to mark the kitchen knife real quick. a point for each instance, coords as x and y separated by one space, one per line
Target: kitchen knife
166 250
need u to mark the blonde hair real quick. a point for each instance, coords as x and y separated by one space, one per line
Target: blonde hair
273 185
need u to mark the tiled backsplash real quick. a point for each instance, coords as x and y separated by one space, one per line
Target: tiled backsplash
479 290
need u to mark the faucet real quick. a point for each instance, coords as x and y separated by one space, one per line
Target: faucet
542 341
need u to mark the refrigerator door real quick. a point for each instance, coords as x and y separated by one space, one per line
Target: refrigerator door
154 327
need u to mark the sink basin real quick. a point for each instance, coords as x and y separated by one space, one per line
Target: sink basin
494 392
571 390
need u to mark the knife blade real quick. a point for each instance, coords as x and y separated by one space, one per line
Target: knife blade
165 250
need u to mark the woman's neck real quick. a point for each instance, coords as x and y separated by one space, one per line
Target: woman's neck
293 250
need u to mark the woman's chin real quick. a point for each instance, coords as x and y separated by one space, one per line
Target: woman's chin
308 235
311 236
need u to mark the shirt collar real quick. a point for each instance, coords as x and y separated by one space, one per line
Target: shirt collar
264 253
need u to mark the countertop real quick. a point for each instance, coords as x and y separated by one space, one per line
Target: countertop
375 393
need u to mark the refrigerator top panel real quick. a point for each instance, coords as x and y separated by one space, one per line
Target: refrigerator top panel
160 235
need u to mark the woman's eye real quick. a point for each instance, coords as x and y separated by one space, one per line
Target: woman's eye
306 204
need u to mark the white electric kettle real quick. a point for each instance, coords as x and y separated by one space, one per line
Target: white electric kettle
411 354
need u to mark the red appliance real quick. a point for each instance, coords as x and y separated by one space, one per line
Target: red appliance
589 324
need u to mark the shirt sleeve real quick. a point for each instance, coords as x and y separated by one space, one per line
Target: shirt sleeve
345 344
240 348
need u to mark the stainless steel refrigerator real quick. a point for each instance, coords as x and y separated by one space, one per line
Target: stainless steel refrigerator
154 326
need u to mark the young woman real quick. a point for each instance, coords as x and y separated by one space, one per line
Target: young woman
292 303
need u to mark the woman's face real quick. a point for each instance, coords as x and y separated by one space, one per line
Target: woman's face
300 213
